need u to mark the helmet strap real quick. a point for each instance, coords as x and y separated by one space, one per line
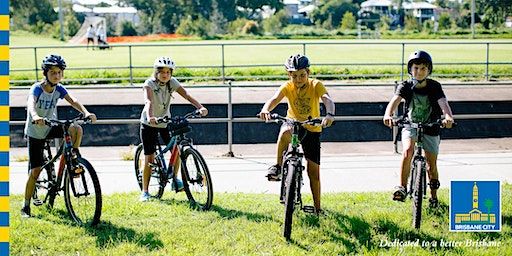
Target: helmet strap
48 82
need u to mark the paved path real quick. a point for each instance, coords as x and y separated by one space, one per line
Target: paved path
353 167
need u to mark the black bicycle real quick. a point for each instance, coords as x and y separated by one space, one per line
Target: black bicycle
291 182
417 184
75 176
197 182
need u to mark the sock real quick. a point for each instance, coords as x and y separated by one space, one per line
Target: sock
27 203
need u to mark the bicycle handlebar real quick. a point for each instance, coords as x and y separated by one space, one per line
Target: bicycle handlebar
78 119
281 119
178 119
404 122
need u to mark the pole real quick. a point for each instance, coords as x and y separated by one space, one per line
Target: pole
61 20
472 19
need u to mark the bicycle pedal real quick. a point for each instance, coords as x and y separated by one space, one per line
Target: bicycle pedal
37 202
309 209
273 178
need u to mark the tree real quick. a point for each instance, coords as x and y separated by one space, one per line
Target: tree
276 22
253 7
444 21
348 21
25 13
488 204
329 12
494 11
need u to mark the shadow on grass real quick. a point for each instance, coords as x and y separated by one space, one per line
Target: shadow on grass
233 214
108 234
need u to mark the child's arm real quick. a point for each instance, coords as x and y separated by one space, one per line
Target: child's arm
78 106
181 91
31 107
447 111
390 109
329 108
270 105
148 95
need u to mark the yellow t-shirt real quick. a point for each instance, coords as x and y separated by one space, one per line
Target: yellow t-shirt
304 102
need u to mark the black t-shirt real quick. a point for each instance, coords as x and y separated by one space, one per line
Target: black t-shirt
421 103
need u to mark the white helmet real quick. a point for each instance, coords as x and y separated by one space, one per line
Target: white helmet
164 62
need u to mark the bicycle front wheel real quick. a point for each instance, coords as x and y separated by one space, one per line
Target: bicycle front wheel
417 195
82 194
197 181
157 180
290 196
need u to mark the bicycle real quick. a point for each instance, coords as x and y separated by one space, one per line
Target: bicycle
197 182
417 183
75 176
292 181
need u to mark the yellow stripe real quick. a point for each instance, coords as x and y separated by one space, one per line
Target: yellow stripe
4 52
4 204
4 143
4 113
4 83
4 22
4 234
4 173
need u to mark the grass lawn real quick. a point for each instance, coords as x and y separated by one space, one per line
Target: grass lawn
255 52
251 224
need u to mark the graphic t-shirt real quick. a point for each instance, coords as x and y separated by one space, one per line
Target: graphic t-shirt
46 107
304 102
421 103
161 100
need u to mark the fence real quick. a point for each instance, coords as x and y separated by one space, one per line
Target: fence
228 56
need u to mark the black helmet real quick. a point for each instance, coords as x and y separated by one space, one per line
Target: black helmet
420 56
296 62
53 60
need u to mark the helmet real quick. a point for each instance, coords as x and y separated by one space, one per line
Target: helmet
53 60
164 62
419 56
296 62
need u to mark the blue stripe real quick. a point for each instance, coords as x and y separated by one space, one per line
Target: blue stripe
4 7
4 249
4 128
4 68
4 98
4 158
4 37
4 188
4 219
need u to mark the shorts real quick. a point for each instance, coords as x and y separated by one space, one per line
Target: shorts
430 143
36 146
149 137
310 142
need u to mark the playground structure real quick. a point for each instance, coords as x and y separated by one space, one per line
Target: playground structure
100 26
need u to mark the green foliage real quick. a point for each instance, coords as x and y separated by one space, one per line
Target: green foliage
411 24
445 22
199 27
348 21
329 12
71 25
235 27
275 23
125 28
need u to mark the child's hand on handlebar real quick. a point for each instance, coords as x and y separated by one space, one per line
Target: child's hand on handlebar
38 120
264 115
448 122
327 121
91 116
388 121
203 111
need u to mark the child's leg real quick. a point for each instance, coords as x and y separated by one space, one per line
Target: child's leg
282 143
314 182
76 133
405 165
147 171
432 172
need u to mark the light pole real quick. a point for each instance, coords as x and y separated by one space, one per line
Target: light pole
473 19
61 20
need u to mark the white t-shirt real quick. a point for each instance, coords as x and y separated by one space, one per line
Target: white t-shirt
161 100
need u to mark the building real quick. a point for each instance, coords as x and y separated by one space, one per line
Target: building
298 11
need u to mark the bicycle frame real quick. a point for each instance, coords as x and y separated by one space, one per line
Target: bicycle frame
418 157
180 141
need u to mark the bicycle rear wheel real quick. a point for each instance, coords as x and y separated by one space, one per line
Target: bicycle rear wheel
290 196
417 195
157 180
197 181
82 194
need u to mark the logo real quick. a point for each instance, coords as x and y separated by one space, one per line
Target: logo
475 206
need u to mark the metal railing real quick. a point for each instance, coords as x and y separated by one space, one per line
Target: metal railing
222 65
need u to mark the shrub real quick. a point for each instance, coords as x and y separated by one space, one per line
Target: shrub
348 21
251 27
199 27
126 28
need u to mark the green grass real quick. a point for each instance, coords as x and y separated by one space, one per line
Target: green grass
256 53
248 224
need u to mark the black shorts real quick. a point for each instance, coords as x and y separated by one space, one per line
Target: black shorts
310 142
90 39
36 146
149 137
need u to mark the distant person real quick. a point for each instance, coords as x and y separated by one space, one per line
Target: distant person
425 101
42 103
100 33
303 95
158 90
91 33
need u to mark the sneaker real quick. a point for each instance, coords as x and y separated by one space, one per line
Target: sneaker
144 197
274 173
400 194
433 203
25 212
180 185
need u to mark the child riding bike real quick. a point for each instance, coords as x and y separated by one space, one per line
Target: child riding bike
157 97
303 95
42 103
425 101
